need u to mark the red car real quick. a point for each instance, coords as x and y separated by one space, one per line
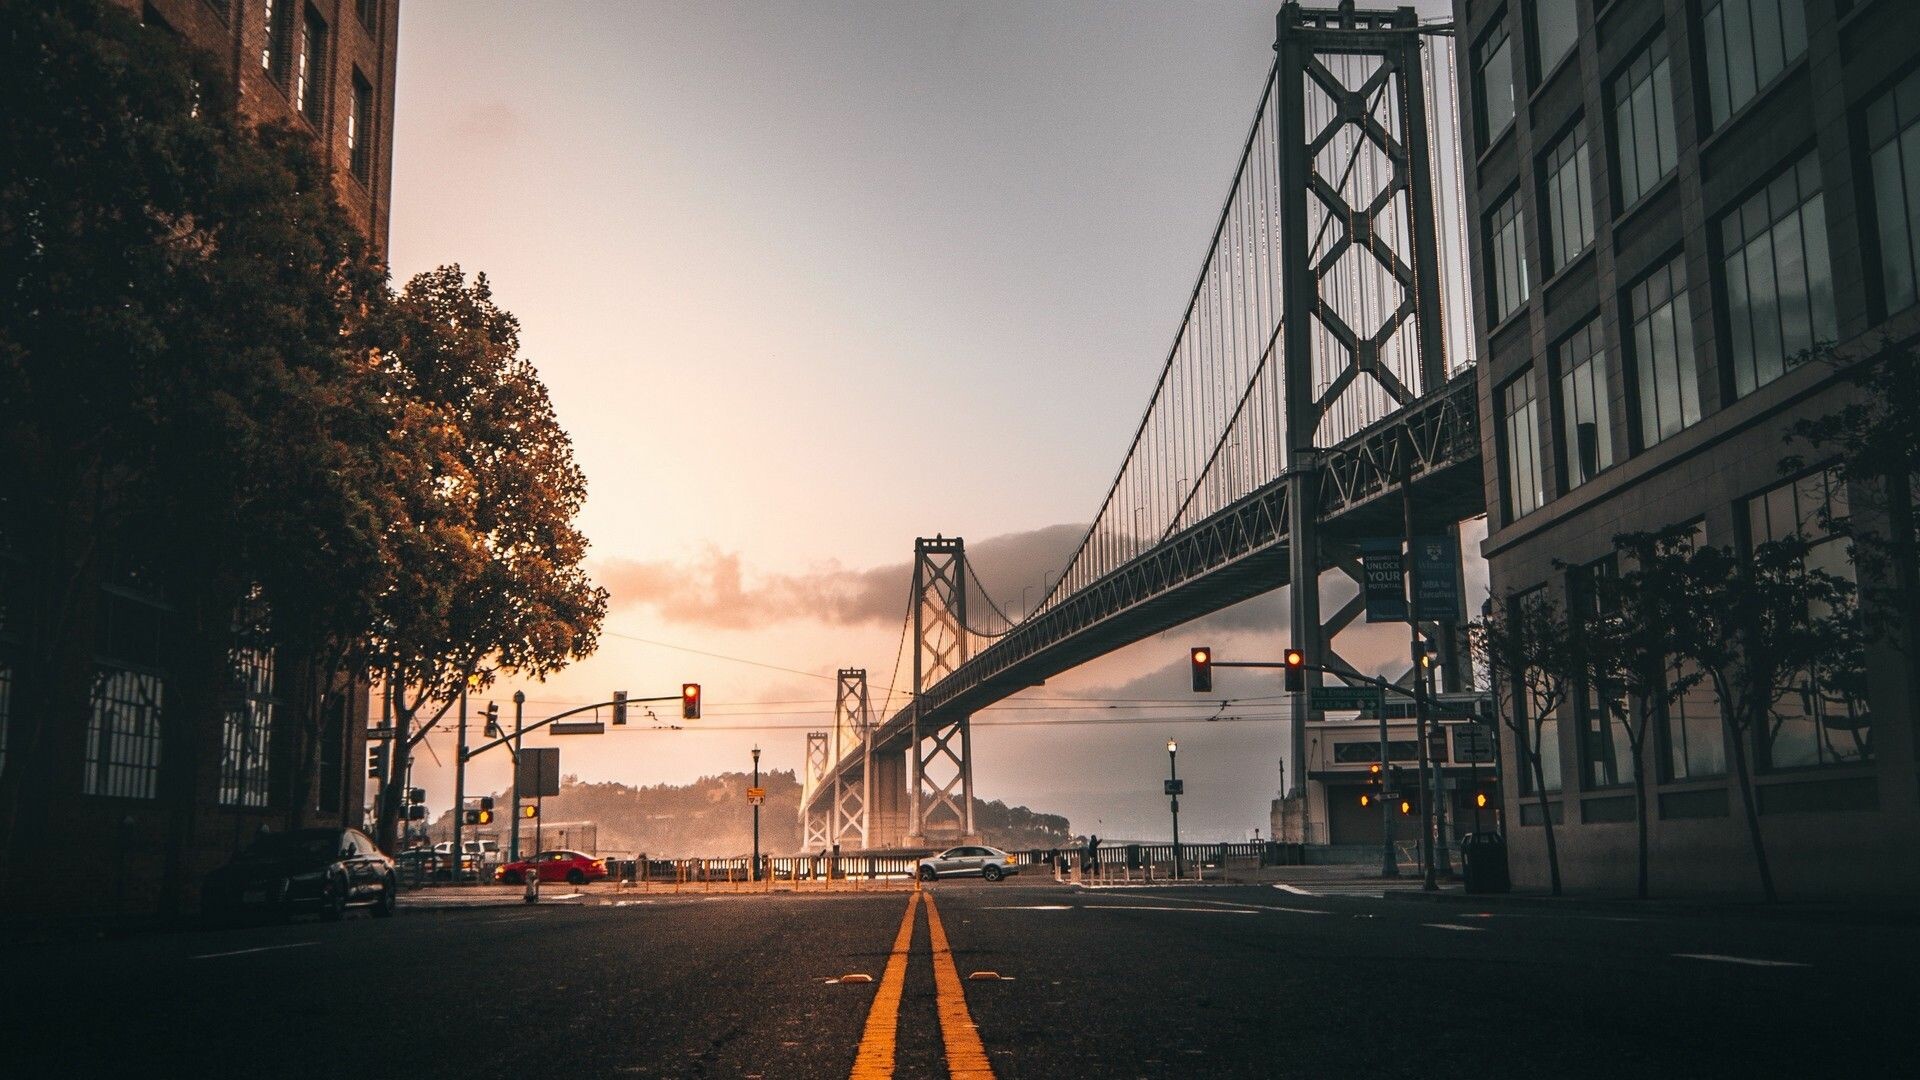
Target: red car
568 866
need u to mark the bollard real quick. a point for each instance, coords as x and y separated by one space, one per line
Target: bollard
532 893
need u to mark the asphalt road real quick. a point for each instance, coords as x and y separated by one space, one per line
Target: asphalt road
1217 981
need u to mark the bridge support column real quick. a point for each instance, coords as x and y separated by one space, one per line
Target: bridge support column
816 812
941 792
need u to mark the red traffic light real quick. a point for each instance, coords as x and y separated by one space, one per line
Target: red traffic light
1296 670
690 701
1202 661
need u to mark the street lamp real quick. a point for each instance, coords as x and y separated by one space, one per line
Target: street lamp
756 813
1173 792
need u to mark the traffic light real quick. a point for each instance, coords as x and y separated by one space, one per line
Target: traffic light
1202 660
620 707
530 810
486 802
417 796
1371 794
493 720
377 760
416 812
476 817
690 701
1424 652
1296 670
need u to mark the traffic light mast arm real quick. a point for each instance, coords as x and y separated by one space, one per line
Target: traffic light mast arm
1370 680
483 747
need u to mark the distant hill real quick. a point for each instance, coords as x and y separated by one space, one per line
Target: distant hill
710 817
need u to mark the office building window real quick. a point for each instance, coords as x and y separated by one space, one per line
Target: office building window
1493 79
369 12
248 726
1893 142
1749 43
1586 405
1665 375
1569 199
310 84
1643 123
1520 416
123 735
360 130
1507 287
276 51
1555 28
1527 708
1823 720
1695 746
1606 754
1779 283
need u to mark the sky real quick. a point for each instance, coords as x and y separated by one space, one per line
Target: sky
808 280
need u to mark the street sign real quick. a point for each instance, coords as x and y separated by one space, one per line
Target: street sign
1174 787
1436 578
537 772
1346 697
756 793
1381 575
756 800
1472 744
383 733
577 727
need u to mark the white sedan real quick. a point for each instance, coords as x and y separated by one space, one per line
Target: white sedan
989 863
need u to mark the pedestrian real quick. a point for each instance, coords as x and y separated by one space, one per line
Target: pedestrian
1093 855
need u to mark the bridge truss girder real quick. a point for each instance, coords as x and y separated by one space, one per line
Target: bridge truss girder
941 789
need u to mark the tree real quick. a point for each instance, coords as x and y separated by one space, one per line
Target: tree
492 580
1625 650
1526 643
1761 628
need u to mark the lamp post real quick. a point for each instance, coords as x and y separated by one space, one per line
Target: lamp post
1173 791
756 814
519 720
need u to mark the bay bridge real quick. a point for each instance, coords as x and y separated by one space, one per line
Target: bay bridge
1319 389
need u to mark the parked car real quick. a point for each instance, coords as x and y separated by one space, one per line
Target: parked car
988 862
569 866
321 870
420 863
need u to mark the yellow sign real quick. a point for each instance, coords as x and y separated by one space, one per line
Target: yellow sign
756 793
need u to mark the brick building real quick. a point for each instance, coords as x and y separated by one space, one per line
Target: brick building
1673 199
164 783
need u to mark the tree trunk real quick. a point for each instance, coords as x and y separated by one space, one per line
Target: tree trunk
1546 822
1637 744
1747 803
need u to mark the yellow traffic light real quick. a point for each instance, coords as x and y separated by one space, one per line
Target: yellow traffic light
690 701
1480 798
529 810
1202 663
1366 799
485 817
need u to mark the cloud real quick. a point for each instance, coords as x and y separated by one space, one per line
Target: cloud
718 590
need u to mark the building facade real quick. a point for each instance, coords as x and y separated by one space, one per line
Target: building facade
166 778
1674 200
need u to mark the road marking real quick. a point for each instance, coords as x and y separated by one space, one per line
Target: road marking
1740 960
966 1055
1453 926
1261 907
263 948
1157 907
1030 907
874 1061
1294 889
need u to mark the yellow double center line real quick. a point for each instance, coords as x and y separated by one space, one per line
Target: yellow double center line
966 1054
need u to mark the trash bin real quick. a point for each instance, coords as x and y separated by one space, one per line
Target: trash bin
1485 857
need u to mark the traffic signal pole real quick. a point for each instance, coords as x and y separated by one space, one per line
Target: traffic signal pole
519 714
1418 651
460 788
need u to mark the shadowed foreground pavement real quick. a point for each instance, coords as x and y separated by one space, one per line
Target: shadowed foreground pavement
1236 981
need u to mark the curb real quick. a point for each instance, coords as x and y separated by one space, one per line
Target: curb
1753 910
